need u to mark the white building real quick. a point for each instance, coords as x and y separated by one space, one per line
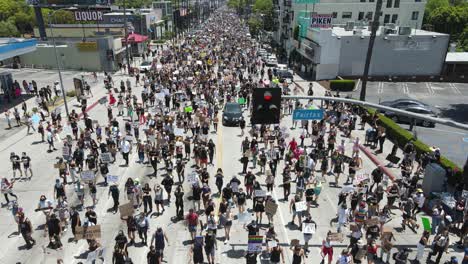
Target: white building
406 13
399 51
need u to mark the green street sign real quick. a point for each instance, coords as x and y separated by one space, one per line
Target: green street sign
306 1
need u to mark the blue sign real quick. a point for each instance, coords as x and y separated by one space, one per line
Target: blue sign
308 114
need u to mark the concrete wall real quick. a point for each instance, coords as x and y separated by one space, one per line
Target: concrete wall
77 32
69 56
399 55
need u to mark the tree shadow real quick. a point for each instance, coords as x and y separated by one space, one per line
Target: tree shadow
456 112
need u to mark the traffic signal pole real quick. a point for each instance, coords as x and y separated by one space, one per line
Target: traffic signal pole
381 107
374 28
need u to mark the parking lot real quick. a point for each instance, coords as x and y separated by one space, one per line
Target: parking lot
451 101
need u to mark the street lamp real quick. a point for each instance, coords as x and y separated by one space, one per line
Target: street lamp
58 63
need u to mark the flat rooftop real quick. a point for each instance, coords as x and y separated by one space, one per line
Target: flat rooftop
457 57
339 31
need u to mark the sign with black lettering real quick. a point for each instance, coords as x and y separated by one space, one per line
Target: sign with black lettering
321 20
88 15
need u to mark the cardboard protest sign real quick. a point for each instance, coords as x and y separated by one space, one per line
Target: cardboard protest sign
192 178
301 206
112 178
387 245
271 207
336 237
87 175
88 232
126 209
255 244
106 157
60 166
372 221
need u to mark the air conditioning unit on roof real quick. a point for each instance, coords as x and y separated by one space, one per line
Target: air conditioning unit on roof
349 26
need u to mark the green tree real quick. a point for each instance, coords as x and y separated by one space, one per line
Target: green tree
449 19
462 44
8 29
134 3
24 22
434 4
263 6
254 25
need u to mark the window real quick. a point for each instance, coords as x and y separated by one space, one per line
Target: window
363 1
369 15
347 15
415 15
394 18
386 19
361 16
335 14
397 4
371 1
417 0
389 3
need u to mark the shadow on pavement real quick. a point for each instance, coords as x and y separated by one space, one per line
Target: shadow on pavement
456 112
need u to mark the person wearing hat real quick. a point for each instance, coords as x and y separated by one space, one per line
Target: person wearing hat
419 199
16 164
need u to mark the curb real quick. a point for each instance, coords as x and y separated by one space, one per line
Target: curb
377 162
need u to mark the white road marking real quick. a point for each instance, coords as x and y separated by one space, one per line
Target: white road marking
404 86
429 88
455 89
381 85
283 224
448 131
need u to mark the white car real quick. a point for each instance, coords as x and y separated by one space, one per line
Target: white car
271 61
282 67
145 66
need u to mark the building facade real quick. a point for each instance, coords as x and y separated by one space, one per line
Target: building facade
405 13
339 51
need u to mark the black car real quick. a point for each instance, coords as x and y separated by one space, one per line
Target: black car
232 114
418 109
284 75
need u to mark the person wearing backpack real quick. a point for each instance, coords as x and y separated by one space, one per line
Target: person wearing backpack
439 246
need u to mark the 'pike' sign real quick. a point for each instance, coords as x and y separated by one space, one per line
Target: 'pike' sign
321 20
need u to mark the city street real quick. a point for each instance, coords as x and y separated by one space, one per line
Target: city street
228 154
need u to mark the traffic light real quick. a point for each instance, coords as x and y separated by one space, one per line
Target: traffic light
266 106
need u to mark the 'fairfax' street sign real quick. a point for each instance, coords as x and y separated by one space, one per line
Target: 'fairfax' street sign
308 114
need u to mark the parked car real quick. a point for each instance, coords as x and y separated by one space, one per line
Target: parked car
418 109
271 61
232 114
145 66
402 103
282 67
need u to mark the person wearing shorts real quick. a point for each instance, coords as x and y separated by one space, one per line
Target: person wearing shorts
327 248
210 247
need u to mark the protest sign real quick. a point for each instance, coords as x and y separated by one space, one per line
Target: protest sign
87 175
255 244
271 207
88 232
192 178
301 206
387 245
126 209
179 132
336 237
260 193
106 157
308 228
426 223
60 166
112 178
361 177
65 151
372 221
272 243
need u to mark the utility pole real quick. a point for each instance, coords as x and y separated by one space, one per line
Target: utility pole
126 35
375 27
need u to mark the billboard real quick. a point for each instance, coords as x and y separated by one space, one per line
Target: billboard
321 21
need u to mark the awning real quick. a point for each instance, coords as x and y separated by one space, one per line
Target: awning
136 38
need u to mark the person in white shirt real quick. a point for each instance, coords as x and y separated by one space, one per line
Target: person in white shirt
342 216
125 148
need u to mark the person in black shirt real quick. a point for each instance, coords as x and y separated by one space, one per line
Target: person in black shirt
26 160
91 215
167 182
252 228
179 202
121 241
15 161
54 228
154 256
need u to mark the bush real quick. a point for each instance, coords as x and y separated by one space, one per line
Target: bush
401 136
71 93
342 85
